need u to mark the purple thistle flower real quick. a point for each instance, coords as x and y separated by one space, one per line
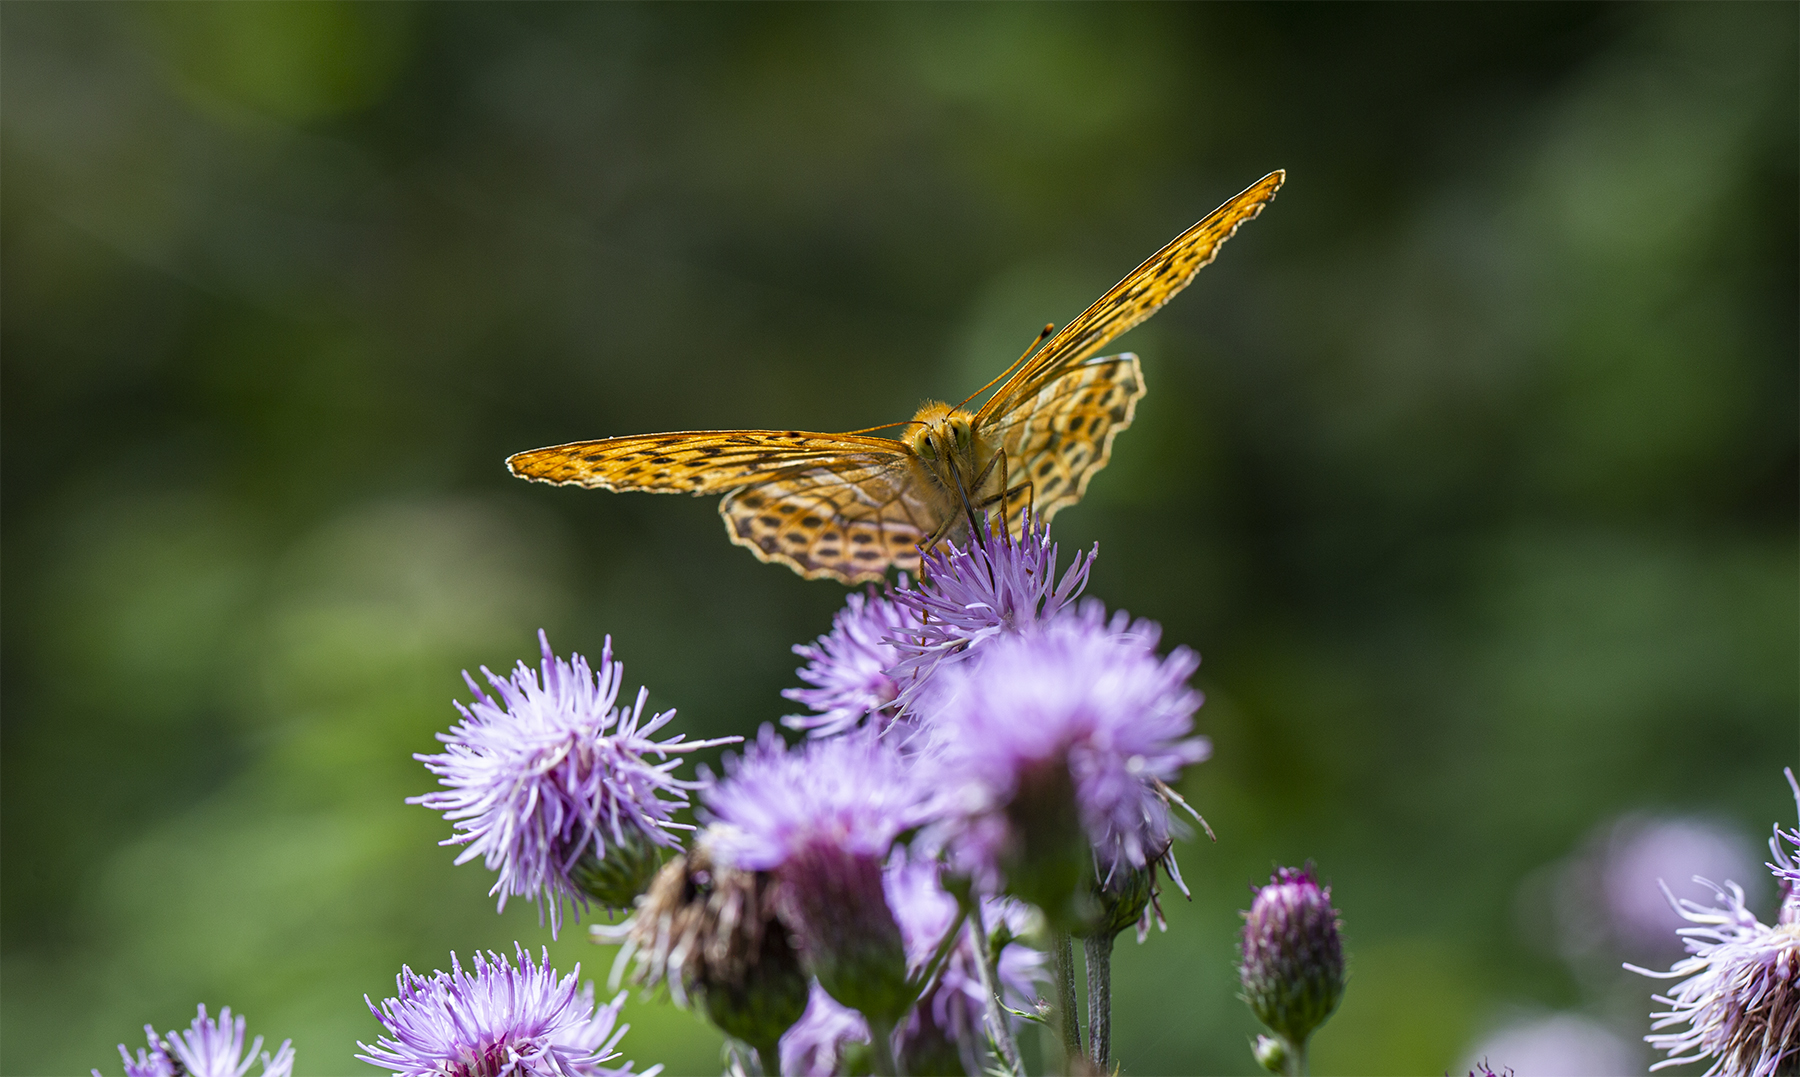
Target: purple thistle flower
818 1042
154 1062
547 773
1740 1000
1786 866
1079 702
821 819
849 666
207 1049
1293 956
854 793
497 1021
994 587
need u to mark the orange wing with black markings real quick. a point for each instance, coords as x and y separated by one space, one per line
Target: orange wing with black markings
1062 438
849 506
844 506
1141 294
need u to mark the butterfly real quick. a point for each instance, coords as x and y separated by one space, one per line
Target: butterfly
849 506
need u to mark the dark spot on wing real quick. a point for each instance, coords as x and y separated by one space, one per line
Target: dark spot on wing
1117 414
751 501
862 537
868 555
770 521
811 521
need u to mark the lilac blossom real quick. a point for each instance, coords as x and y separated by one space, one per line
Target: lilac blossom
547 771
995 586
497 1020
1081 695
207 1049
849 668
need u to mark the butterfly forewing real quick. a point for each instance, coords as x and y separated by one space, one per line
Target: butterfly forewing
1139 295
701 461
1063 436
836 505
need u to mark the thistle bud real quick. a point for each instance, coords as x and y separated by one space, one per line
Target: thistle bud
1293 970
615 880
1272 1053
1122 901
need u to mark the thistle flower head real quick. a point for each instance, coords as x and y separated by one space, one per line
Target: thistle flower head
995 586
547 773
1786 863
709 932
1293 967
850 667
1738 1002
497 1020
153 1061
853 793
207 1048
1080 705
821 819
1738 997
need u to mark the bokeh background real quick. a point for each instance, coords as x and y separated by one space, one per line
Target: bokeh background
1470 467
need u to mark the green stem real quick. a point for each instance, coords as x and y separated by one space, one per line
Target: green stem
1296 1058
1099 950
1062 959
881 1043
999 1028
928 975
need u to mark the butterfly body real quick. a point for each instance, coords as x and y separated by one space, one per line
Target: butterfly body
849 506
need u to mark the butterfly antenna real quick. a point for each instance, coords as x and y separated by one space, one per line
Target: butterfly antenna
1049 327
885 426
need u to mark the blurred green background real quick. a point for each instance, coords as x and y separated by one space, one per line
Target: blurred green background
1470 467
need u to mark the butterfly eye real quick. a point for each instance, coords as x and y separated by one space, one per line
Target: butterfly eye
964 436
928 448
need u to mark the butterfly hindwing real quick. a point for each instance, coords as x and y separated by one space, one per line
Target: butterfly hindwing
1061 438
846 527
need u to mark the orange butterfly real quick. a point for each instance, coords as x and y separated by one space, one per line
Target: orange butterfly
848 506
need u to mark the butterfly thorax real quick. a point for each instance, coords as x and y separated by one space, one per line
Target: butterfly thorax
952 456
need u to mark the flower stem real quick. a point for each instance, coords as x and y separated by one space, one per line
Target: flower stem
927 976
1062 957
1296 1058
1099 948
999 1029
881 1044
